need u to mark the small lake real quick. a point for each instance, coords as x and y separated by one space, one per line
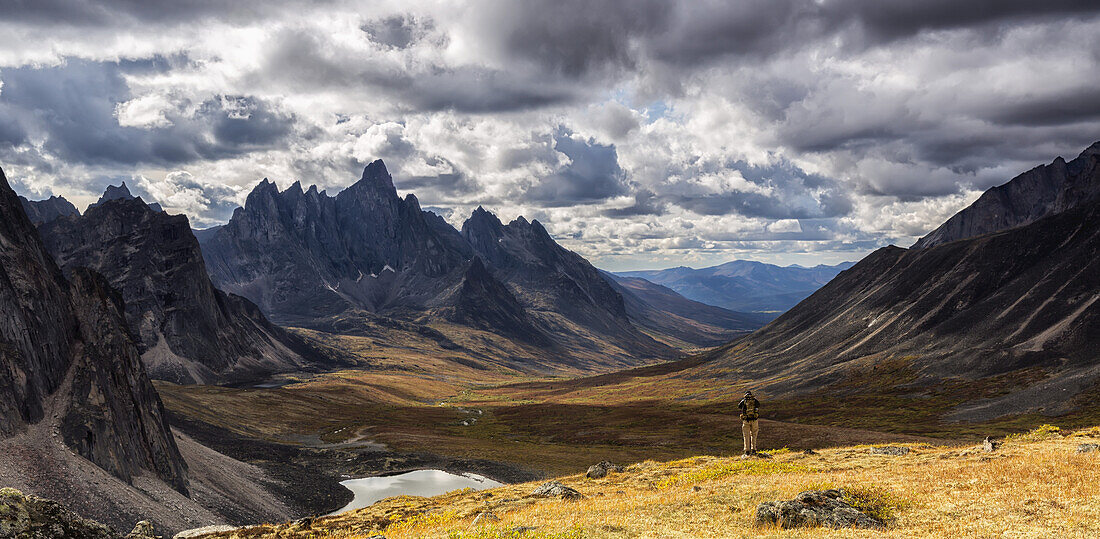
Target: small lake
418 483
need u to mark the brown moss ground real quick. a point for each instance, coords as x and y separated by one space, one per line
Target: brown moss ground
1034 486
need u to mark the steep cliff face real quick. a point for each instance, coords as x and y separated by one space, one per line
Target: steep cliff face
41 211
303 256
189 330
1041 191
65 356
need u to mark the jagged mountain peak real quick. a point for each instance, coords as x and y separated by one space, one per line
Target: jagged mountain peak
41 211
114 192
375 179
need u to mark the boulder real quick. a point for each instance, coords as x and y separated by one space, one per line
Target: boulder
485 517
143 530
812 509
601 469
809 452
892 450
554 489
1088 448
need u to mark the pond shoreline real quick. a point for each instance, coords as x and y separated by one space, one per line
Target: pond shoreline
309 477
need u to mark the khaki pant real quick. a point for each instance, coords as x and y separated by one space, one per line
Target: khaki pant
749 428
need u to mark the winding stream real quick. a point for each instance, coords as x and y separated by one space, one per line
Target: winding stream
417 483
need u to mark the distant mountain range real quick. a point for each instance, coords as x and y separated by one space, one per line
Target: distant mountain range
743 285
981 297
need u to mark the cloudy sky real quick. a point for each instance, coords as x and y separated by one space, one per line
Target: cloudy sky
642 133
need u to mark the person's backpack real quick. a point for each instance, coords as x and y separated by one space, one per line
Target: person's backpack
749 409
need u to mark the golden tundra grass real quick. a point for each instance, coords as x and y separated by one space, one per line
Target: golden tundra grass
1036 485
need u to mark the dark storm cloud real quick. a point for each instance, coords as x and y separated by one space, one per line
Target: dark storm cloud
118 12
448 183
646 202
72 108
1077 105
886 20
592 174
307 63
574 37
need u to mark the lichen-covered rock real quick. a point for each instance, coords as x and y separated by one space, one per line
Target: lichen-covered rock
485 517
143 530
892 450
812 509
601 469
1088 448
554 489
31 517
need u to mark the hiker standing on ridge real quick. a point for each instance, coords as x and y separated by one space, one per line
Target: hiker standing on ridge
750 414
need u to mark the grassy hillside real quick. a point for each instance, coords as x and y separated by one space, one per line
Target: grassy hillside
1035 485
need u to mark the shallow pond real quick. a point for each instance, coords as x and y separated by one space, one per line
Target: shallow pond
418 483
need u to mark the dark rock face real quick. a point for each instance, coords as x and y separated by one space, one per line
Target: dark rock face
65 352
1041 191
550 280
310 259
482 301
41 211
814 508
189 331
1024 297
304 256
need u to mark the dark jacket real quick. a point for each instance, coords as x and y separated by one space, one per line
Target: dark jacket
750 408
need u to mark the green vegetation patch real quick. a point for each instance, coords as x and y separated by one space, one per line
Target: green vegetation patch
726 469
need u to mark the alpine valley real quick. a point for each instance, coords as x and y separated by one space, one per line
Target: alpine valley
234 375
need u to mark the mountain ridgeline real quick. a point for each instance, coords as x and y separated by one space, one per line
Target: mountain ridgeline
188 330
68 359
1041 191
319 261
980 298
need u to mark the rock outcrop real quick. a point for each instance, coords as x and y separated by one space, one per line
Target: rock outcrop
891 450
31 517
190 332
1042 191
555 489
814 508
67 357
601 469
42 211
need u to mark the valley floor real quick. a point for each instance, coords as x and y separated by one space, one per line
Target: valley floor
1035 485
